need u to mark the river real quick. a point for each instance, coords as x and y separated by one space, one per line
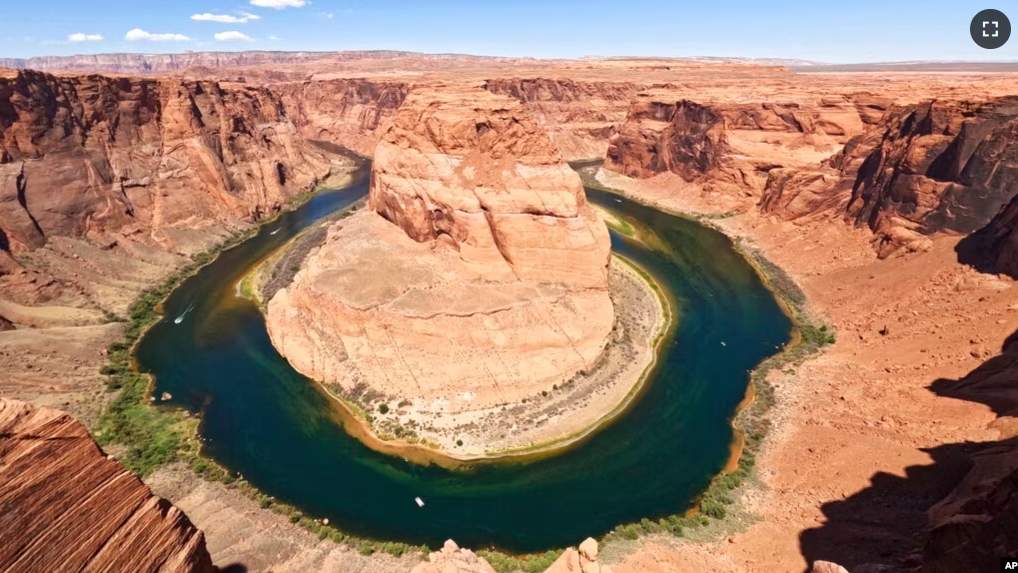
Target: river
282 433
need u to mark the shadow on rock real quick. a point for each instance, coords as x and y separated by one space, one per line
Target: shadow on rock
958 514
884 523
233 568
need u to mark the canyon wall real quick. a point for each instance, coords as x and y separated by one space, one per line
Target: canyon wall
68 507
579 116
731 147
939 166
350 112
95 157
490 182
994 248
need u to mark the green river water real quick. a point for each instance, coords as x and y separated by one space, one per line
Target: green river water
262 419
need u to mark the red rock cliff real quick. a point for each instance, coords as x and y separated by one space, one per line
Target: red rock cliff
68 507
730 147
579 116
350 112
84 156
925 168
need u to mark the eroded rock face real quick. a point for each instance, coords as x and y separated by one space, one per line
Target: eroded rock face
452 559
579 116
975 526
351 112
994 248
90 156
478 277
67 507
475 170
683 137
729 147
941 166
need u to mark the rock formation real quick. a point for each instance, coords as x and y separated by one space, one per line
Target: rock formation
582 561
683 137
351 112
579 116
94 156
452 559
68 507
828 567
731 147
477 278
940 166
975 526
994 248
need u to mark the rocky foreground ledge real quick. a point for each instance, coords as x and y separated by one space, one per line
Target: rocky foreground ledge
68 507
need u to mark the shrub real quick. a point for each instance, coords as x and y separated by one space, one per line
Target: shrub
383 409
713 508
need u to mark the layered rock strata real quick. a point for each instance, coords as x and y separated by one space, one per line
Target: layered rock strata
352 112
68 507
478 277
579 116
939 166
730 148
159 159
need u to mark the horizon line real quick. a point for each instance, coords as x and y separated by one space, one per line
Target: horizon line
399 53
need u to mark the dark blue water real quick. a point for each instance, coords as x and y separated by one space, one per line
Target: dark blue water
266 421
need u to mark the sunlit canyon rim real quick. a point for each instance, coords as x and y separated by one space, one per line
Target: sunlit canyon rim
858 184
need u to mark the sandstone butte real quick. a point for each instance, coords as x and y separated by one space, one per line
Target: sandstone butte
66 506
861 186
478 276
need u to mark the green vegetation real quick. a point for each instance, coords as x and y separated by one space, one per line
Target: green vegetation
383 409
153 436
536 563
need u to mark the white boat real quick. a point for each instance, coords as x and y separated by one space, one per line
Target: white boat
276 231
180 318
420 502
723 343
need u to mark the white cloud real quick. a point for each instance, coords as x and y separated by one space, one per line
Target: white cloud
232 37
226 18
139 34
273 38
79 37
279 4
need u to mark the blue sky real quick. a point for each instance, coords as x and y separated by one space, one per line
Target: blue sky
854 31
